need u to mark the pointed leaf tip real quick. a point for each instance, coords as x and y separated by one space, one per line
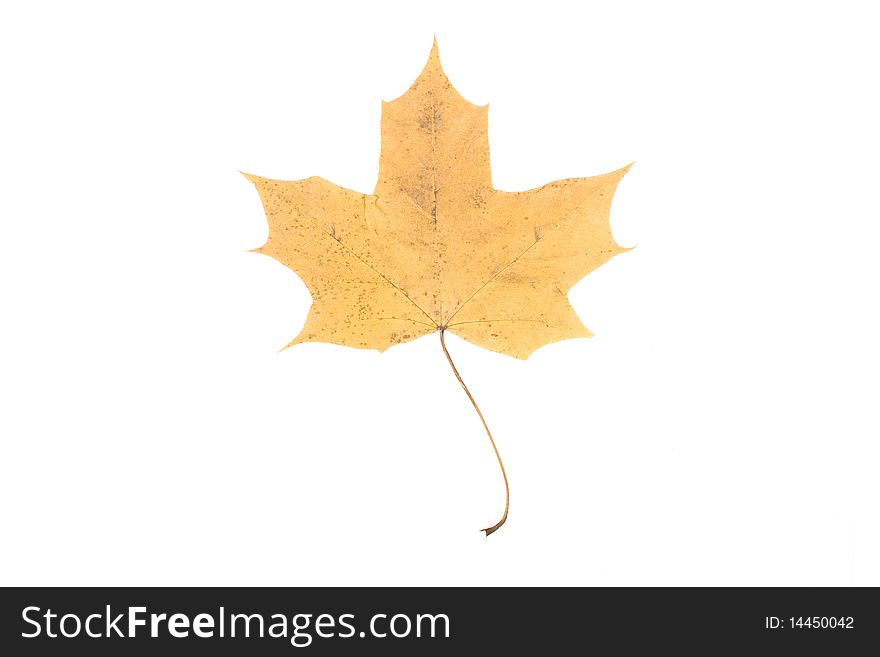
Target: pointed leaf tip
623 170
434 55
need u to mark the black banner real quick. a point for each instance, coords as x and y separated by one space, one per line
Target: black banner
436 621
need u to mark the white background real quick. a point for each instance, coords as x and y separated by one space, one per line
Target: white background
720 429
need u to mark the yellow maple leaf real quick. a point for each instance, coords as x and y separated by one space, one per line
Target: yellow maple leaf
436 247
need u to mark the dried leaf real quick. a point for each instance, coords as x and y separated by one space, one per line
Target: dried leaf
436 247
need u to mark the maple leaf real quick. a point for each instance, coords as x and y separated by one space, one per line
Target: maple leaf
436 247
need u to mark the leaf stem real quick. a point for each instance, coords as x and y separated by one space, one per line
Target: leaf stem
498 524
